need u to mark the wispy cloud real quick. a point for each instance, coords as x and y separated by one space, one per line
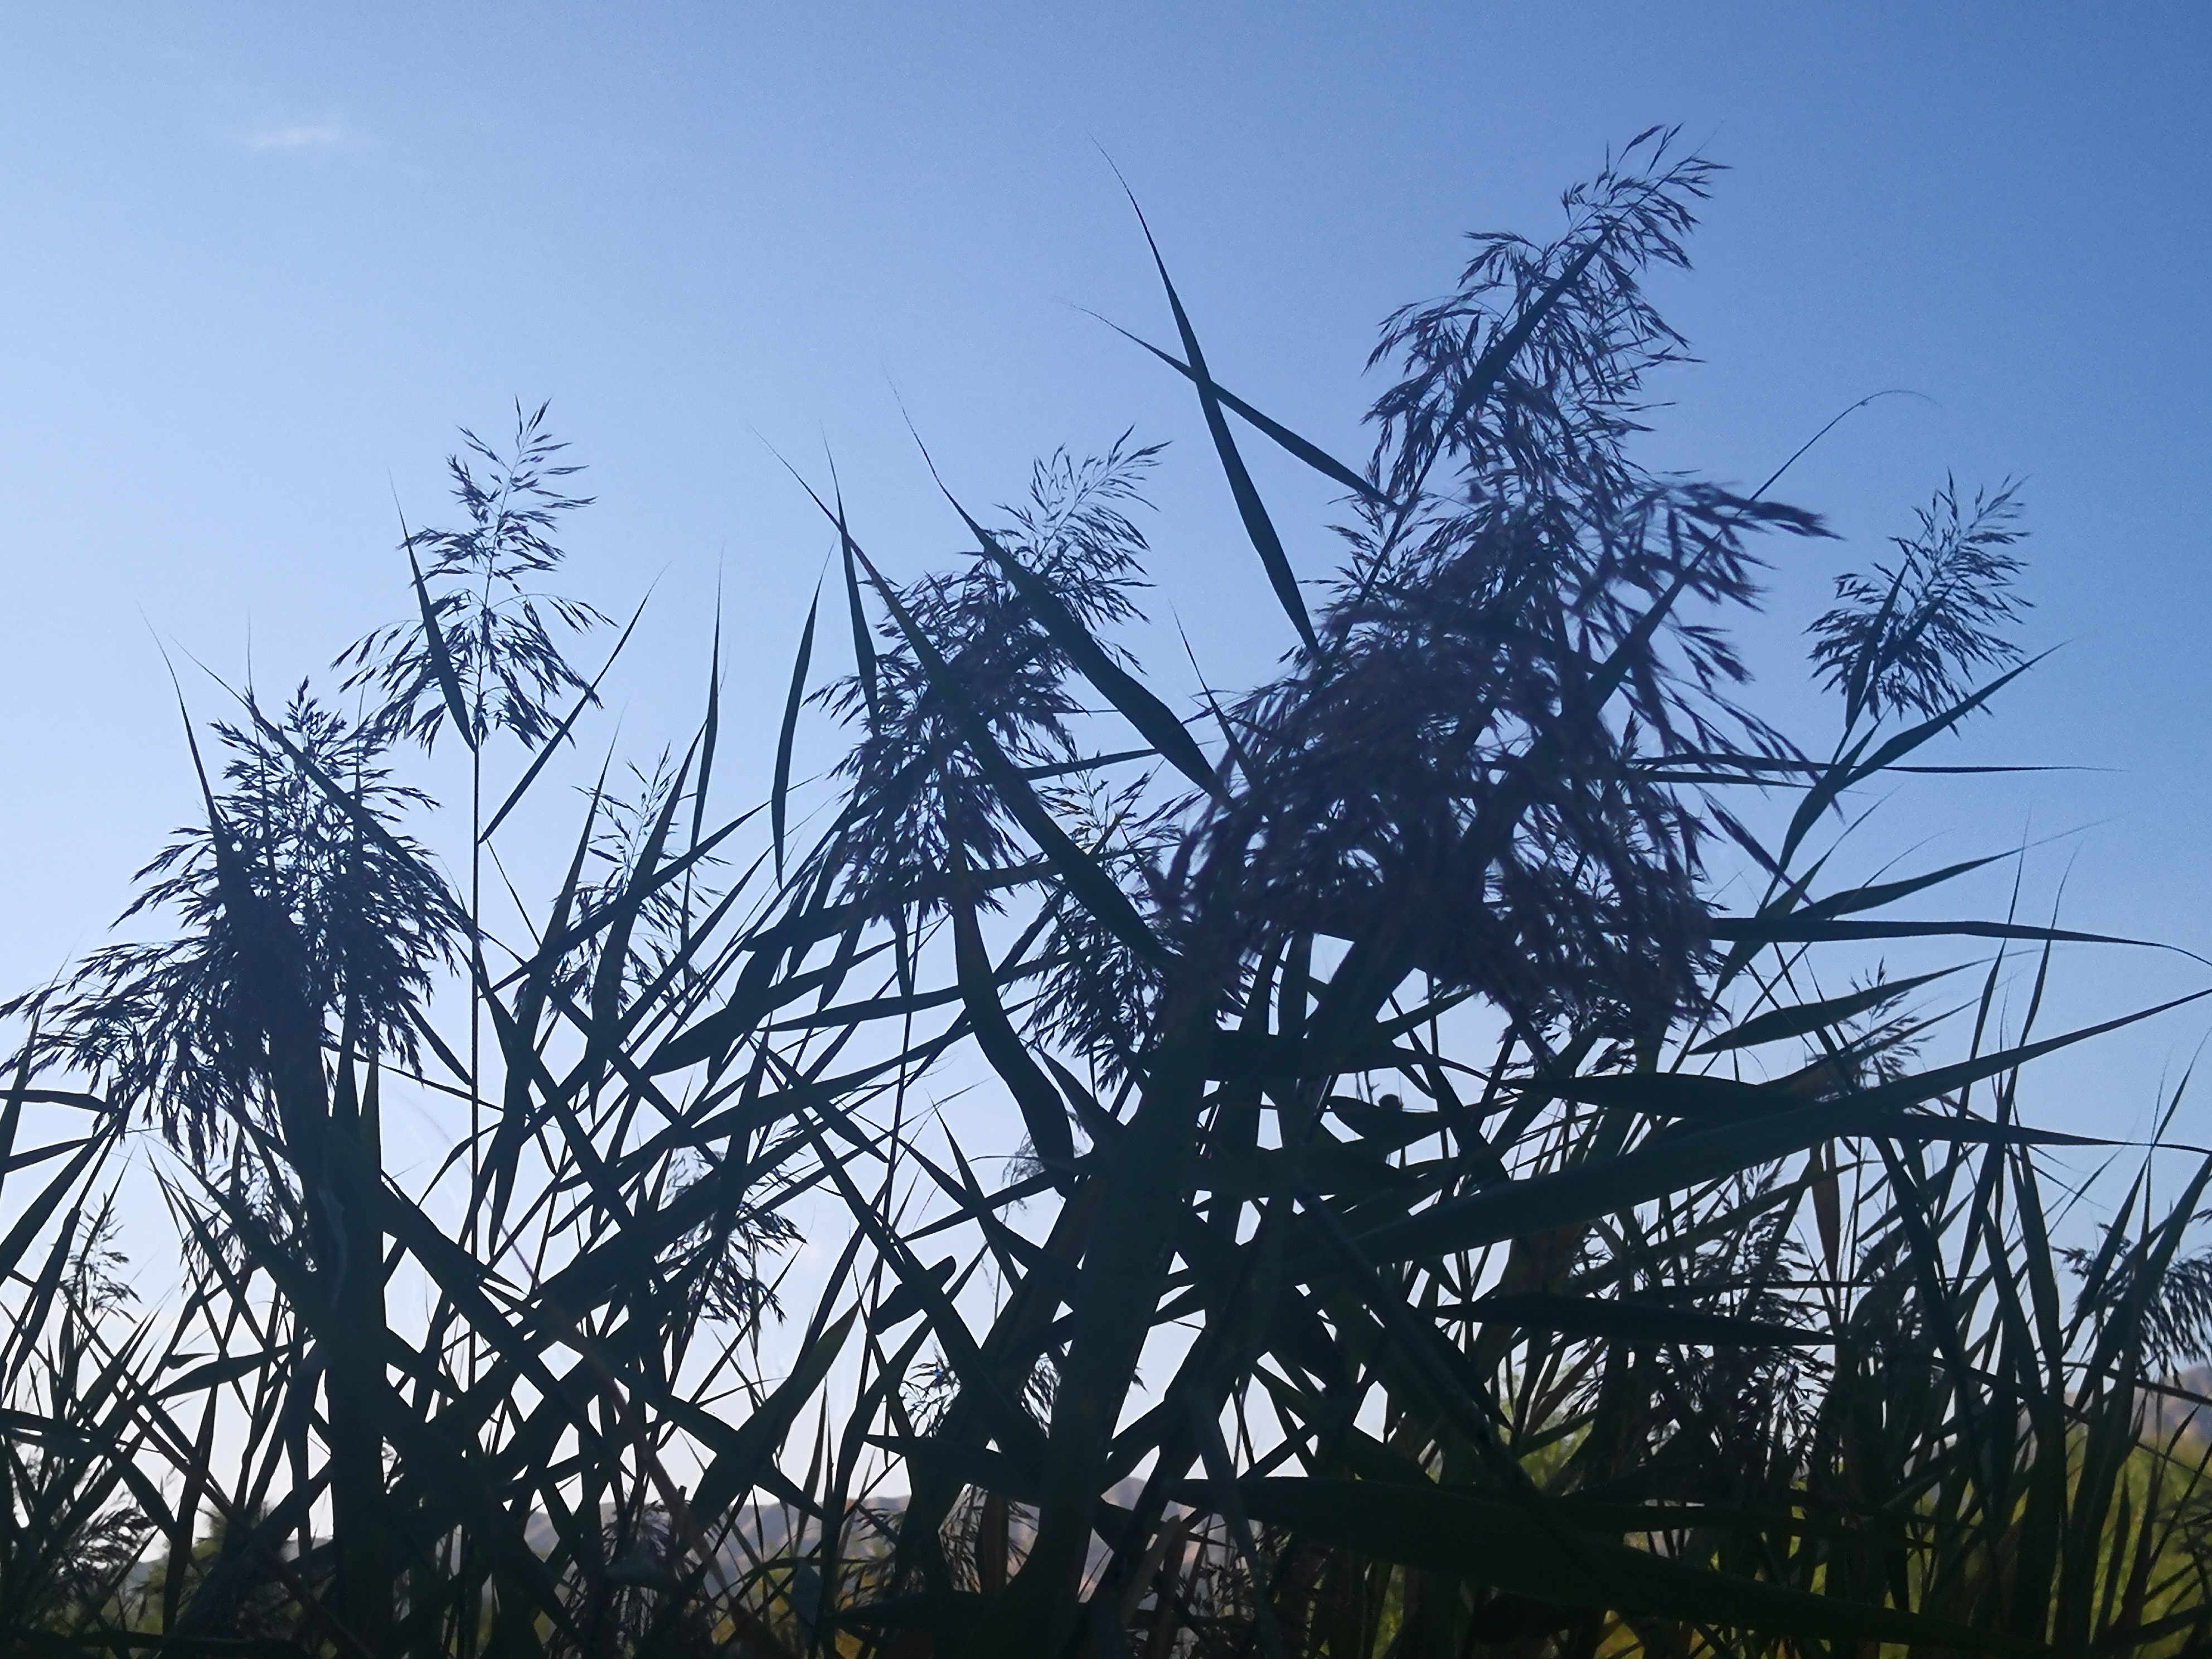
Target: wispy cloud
330 133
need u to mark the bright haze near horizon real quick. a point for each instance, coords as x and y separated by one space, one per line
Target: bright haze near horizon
261 261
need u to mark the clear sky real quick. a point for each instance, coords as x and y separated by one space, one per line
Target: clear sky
256 261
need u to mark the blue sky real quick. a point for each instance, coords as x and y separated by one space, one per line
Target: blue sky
259 260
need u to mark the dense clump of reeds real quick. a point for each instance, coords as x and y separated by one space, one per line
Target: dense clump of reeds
1443 1227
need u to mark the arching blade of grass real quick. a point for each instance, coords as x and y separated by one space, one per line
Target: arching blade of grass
780 790
864 647
758 993
1778 1023
1041 1106
1249 507
1871 895
1789 930
620 916
710 730
441 659
588 698
1311 453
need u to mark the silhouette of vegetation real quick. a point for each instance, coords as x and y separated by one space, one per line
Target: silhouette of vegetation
1481 1189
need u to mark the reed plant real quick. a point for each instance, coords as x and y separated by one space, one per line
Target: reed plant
1479 1192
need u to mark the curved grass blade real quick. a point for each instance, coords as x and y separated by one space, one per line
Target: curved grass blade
780 796
713 728
864 647
1257 525
1778 1023
1041 1109
441 660
1311 453
1795 929
590 695
1875 894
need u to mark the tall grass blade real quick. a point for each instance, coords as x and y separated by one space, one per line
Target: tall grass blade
779 793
